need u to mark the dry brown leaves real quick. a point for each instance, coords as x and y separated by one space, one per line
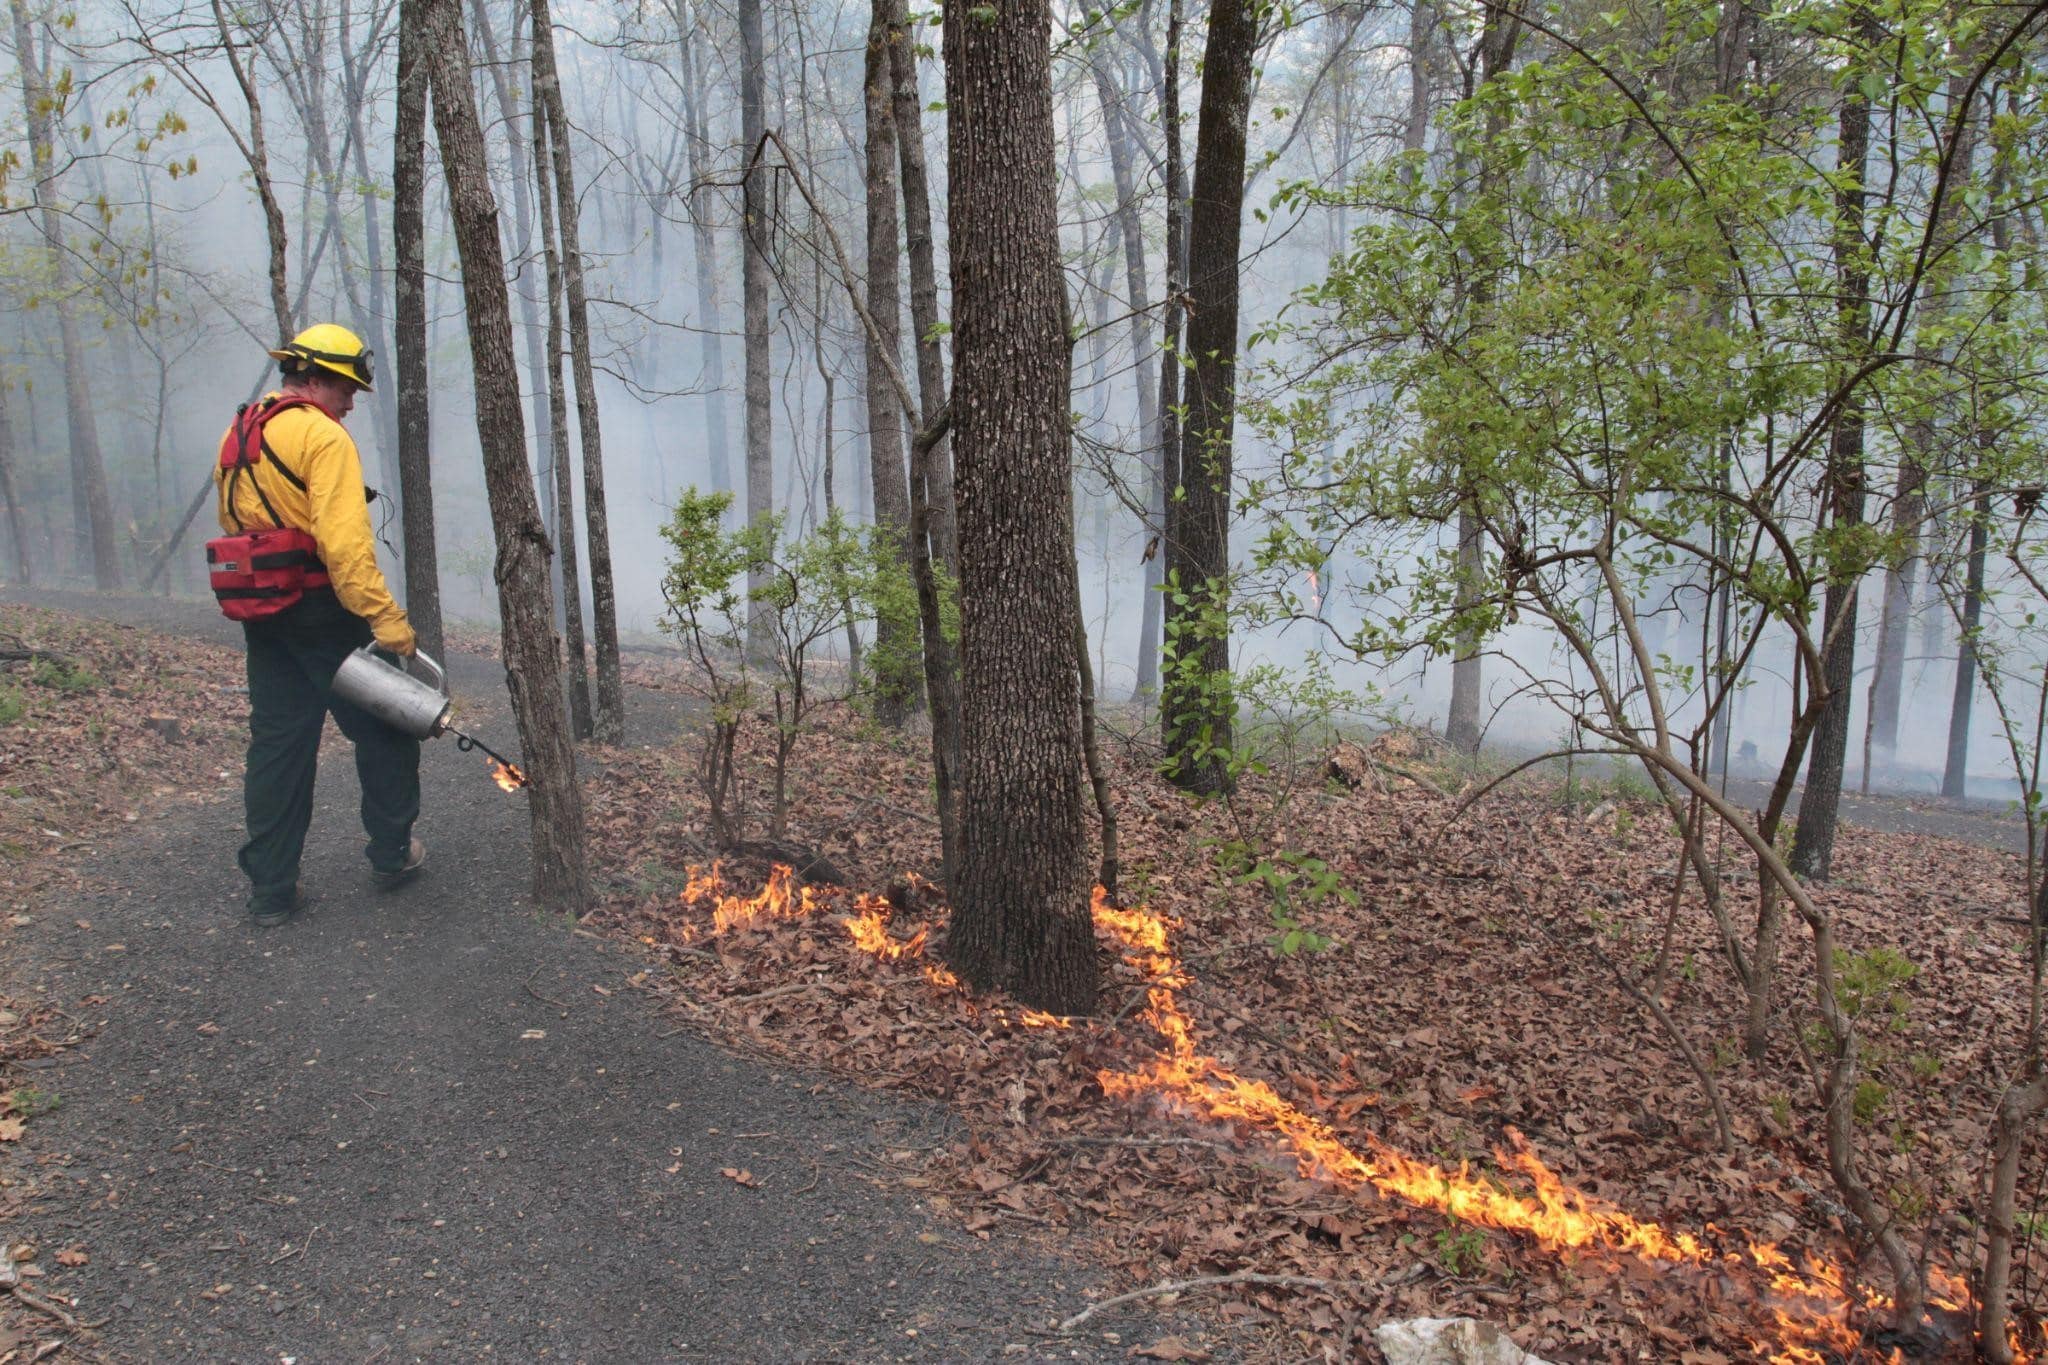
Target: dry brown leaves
135 723
1470 992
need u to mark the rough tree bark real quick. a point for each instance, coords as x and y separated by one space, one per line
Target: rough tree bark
754 211
896 669
94 539
561 482
608 723
1021 918
1197 702
532 666
1813 839
409 334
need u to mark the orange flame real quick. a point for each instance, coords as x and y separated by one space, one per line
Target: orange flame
1812 1311
1810 1308
507 775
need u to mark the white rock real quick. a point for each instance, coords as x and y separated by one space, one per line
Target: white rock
1449 1341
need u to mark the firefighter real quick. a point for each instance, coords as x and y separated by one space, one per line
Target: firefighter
298 568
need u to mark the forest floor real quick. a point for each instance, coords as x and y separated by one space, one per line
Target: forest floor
1436 1006
434 1124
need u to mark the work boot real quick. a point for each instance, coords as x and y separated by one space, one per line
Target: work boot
270 914
415 858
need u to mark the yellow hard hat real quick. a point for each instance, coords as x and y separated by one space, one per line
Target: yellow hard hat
331 346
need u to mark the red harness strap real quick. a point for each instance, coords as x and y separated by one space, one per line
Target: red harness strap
260 571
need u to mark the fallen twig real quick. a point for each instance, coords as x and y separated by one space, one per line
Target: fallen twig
538 996
57 1311
288 1253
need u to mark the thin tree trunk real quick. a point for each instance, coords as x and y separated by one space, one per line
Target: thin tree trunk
546 450
1117 124
924 292
1887 682
532 666
1955 771
710 311
895 670
2018 1118
1198 703
1168 454
1461 729
562 484
373 255
609 721
932 540
93 539
409 334
22 558
755 204
1498 36
1021 918
1813 840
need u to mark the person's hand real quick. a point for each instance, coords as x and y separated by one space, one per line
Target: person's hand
395 635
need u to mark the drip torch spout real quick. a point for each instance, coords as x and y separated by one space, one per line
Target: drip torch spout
504 772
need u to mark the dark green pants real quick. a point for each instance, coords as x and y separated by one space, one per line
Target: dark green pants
292 659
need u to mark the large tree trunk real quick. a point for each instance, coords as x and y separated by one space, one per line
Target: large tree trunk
1021 919
532 666
932 538
609 721
710 311
409 245
1117 120
561 482
1198 704
894 662
755 201
1813 839
93 533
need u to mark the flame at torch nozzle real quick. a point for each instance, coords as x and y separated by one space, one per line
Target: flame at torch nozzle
503 772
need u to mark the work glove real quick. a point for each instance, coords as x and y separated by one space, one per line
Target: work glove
394 635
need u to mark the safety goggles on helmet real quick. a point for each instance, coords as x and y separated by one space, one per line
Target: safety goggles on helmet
331 347
357 365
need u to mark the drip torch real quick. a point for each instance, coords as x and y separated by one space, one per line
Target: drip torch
413 705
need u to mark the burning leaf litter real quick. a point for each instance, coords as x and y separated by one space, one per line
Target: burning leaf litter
1810 1311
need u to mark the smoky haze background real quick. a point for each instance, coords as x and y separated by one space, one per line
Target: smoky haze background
168 241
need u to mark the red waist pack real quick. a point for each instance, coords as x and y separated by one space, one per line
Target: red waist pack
259 573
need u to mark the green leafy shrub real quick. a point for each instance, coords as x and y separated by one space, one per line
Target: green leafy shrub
61 675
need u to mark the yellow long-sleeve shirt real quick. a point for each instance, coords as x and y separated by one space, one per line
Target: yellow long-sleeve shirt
331 507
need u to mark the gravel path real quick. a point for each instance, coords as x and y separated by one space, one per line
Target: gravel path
438 1124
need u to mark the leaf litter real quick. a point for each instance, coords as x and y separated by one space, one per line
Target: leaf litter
1466 1011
